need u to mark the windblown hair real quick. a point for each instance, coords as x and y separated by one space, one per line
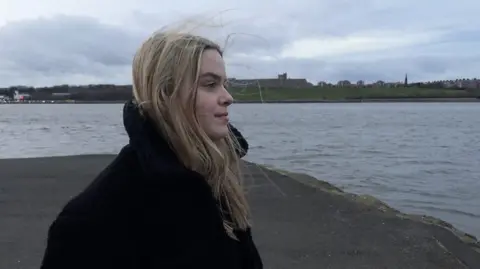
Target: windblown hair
165 78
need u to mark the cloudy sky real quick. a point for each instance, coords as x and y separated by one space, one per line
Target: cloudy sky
48 42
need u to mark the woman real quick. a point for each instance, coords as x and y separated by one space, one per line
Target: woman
172 197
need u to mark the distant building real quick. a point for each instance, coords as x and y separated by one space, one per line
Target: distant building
468 83
344 83
379 83
21 96
282 81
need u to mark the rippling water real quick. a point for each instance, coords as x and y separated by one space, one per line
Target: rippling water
418 157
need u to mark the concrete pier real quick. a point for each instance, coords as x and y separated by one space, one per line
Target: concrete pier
299 222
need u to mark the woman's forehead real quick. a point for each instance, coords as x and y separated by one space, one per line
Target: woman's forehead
212 65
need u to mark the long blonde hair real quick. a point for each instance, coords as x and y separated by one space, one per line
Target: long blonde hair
165 74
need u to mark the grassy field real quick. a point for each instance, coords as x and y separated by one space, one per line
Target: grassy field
317 93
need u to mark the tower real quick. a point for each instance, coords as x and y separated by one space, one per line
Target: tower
405 83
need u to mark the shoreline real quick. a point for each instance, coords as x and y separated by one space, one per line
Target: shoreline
299 221
299 101
378 204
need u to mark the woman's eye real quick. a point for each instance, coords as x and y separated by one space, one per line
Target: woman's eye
211 85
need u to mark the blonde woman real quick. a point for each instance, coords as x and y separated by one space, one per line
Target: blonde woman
172 197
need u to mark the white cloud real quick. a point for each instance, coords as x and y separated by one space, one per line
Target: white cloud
331 47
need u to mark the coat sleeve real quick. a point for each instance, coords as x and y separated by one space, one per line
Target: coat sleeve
76 242
242 151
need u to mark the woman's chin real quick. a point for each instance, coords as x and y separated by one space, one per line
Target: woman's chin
219 133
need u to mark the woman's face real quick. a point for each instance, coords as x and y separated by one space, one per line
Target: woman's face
212 98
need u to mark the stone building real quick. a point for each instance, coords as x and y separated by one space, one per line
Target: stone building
344 83
282 81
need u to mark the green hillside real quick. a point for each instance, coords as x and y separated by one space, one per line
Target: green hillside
318 93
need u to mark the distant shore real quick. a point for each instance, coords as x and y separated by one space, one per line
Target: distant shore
376 100
391 100
111 94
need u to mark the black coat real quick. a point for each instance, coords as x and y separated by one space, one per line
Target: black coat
145 210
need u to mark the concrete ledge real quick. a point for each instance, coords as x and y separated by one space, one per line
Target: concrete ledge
455 248
375 203
299 221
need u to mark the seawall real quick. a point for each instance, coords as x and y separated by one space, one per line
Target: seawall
299 221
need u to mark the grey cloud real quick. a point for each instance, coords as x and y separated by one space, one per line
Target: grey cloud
82 50
64 46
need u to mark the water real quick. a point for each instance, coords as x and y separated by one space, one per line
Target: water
418 157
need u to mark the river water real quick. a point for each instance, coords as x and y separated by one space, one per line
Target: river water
420 158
